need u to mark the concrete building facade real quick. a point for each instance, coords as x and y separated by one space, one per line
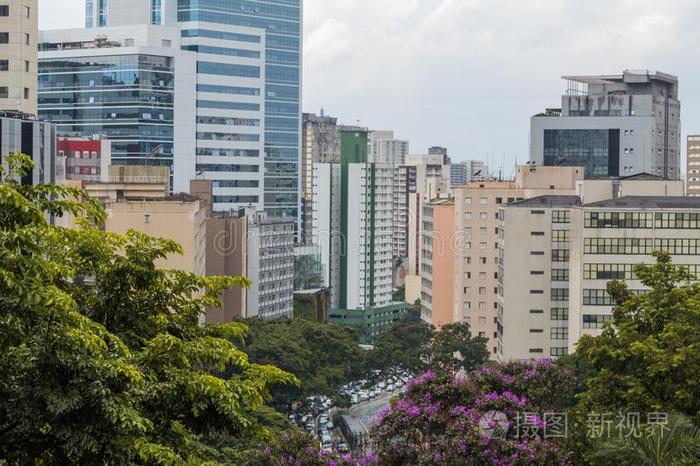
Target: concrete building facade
353 226
615 125
438 264
552 285
693 166
320 144
18 57
476 238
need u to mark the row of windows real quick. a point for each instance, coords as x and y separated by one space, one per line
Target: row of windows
618 246
228 105
685 220
229 90
618 220
608 271
559 333
679 247
277 26
210 120
228 69
211 167
236 199
597 298
560 275
222 51
228 137
621 271
220 35
559 313
236 184
556 351
595 321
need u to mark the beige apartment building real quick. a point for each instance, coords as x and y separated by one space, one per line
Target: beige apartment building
476 238
557 254
18 56
693 166
180 218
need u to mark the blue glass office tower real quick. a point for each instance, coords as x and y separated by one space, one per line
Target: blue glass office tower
281 19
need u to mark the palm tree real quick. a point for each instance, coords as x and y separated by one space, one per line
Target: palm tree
676 443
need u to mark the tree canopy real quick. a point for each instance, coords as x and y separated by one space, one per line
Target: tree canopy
648 358
102 355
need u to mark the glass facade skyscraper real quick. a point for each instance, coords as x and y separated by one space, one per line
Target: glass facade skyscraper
281 19
128 98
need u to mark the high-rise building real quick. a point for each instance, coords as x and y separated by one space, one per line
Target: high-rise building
384 148
352 224
438 262
320 144
616 125
244 95
693 166
464 172
122 86
19 130
405 188
18 42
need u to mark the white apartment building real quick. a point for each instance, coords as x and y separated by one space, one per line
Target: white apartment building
693 166
352 224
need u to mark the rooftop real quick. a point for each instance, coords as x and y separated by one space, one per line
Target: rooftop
649 202
628 76
548 201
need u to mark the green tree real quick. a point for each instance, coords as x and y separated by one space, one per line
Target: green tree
321 356
648 358
455 349
676 443
405 346
102 357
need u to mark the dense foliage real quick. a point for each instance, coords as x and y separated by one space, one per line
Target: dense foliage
321 356
102 357
452 421
648 358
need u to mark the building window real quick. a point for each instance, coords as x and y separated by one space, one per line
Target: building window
559 294
27 12
630 246
642 220
536 311
560 275
26 93
4 65
561 216
559 313
557 351
483 201
26 66
560 255
4 37
536 330
26 39
561 236
156 12
559 333
595 321
537 233
147 218
536 351
4 93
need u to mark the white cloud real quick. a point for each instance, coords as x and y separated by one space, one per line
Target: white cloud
468 74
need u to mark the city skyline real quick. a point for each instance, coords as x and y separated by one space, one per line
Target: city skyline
388 61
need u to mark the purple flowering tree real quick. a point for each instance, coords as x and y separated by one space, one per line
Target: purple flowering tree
502 415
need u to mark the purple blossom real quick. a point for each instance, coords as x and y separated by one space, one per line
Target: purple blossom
332 462
413 411
347 458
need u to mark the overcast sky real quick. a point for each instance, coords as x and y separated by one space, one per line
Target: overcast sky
468 74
